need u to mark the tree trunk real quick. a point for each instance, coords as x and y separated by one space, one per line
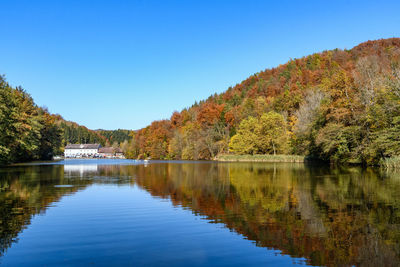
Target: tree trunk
273 146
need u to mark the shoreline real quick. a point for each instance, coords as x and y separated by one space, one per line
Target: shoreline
388 164
261 158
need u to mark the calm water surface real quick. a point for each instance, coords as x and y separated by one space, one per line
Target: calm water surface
114 212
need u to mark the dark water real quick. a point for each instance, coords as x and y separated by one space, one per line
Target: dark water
109 212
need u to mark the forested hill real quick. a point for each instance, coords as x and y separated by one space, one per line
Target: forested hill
74 133
29 132
116 136
338 105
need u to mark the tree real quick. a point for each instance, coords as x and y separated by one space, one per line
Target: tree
308 111
271 133
210 113
245 140
176 145
267 134
50 136
216 139
192 145
368 78
27 132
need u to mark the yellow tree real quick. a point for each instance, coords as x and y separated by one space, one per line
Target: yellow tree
271 133
245 141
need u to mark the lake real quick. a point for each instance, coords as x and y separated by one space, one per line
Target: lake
177 213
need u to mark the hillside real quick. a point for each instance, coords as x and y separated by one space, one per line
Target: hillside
73 133
29 132
115 136
338 105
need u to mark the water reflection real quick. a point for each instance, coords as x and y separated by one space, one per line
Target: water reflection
341 216
82 169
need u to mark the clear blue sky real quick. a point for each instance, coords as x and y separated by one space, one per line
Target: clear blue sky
123 64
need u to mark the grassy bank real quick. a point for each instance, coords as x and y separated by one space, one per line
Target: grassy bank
260 158
391 163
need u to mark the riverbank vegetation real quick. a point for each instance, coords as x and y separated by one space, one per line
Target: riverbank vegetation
339 106
391 163
260 158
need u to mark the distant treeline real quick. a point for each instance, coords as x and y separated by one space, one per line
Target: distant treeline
116 136
338 106
29 132
74 133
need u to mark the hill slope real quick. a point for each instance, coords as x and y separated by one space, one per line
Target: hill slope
338 105
29 132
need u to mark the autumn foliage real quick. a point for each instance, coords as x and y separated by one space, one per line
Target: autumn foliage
336 105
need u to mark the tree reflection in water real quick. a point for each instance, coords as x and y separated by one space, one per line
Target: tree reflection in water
330 216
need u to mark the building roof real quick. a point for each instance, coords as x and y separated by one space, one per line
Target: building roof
106 150
83 146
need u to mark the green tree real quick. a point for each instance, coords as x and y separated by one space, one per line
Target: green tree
271 133
261 136
245 140
50 136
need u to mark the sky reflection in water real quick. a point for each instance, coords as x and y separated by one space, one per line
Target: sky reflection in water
186 213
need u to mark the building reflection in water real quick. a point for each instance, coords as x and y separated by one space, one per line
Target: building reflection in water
82 169
330 216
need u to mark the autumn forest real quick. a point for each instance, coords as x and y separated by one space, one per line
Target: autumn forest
339 106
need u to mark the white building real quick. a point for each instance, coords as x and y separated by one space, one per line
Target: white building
81 150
